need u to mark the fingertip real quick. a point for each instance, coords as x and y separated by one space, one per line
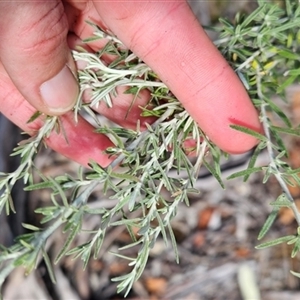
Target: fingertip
183 56
237 142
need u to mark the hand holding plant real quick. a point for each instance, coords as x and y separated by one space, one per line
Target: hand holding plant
164 35
199 98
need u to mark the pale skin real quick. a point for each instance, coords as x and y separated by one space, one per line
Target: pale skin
36 38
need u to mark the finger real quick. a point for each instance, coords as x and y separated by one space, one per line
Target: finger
82 144
168 38
35 53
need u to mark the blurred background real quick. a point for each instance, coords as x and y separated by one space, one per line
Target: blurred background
216 235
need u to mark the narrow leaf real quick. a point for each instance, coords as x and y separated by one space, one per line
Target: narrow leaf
281 240
174 243
268 223
38 186
252 16
48 265
34 117
253 158
214 173
295 274
291 131
286 83
250 132
67 244
279 112
60 191
289 54
296 248
245 173
31 227
281 201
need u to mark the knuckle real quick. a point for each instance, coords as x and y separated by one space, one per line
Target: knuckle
45 31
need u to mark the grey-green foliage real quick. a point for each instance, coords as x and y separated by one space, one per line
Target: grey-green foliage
263 48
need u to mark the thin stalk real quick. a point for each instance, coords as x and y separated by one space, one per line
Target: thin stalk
271 154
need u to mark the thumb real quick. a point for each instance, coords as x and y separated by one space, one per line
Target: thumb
35 54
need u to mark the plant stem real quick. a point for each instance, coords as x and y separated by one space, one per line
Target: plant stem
271 154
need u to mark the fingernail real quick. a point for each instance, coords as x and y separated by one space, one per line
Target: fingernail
60 92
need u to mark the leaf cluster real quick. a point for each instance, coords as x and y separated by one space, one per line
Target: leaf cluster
263 49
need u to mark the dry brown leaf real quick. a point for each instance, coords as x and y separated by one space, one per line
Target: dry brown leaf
156 286
242 252
205 216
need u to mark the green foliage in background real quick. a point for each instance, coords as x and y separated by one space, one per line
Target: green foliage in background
264 50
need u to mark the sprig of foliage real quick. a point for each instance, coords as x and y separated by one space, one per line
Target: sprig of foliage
27 150
144 161
267 65
263 48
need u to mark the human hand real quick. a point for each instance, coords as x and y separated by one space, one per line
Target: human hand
34 48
